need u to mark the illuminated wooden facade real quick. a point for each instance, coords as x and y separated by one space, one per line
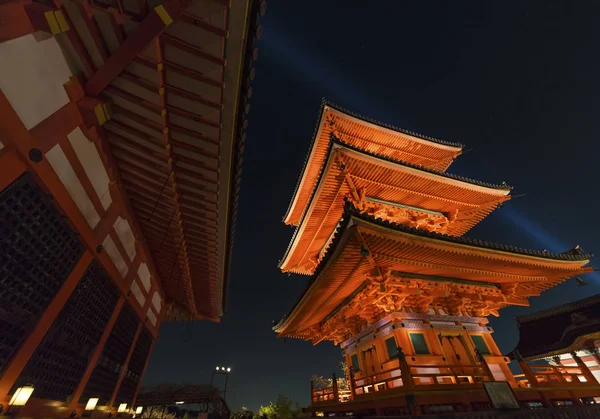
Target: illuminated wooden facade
565 336
379 227
121 138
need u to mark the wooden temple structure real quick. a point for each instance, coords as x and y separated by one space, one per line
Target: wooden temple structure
565 336
122 128
380 229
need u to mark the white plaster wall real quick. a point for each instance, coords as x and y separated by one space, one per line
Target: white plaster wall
152 317
92 164
144 275
57 159
33 70
123 230
115 255
137 293
497 372
156 302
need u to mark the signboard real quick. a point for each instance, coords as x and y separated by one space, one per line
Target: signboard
501 395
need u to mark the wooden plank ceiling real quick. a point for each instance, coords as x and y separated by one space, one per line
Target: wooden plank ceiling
176 130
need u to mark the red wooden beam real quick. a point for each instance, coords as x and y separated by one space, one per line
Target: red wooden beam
192 96
192 49
141 135
127 157
96 355
136 100
146 159
77 44
12 167
56 127
18 19
192 133
198 22
184 71
155 23
136 117
125 365
195 117
92 25
146 364
140 81
146 153
39 331
197 175
188 147
107 222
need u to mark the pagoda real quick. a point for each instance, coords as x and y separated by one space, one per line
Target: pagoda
380 229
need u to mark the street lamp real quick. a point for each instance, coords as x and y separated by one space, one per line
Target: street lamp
225 371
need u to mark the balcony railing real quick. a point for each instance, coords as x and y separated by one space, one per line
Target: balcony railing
415 377
552 375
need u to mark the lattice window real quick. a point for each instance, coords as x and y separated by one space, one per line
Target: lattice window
108 368
135 368
57 365
38 250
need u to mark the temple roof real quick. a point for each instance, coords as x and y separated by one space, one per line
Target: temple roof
402 191
558 330
359 131
176 76
469 268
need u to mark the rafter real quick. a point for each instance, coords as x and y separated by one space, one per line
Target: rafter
149 29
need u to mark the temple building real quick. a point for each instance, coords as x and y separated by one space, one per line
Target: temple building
380 229
122 128
565 336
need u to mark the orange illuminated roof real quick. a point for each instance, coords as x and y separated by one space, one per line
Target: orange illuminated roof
375 137
388 189
483 277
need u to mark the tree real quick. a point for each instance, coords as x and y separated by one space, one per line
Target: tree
320 382
157 412
283 408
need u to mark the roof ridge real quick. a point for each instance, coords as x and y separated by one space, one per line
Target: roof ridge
325 102
338 233
502 186
556 310
351 210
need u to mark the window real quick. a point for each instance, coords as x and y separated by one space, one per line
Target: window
419 343
480 344
392 348
354 360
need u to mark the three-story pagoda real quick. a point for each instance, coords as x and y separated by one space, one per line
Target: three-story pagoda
380 229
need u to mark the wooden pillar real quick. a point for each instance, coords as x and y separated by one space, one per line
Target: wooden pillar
96 355
526 371
312 391
407 379
531 378
351 382
126 363
39 331
143 371
485 367
336 394
590 378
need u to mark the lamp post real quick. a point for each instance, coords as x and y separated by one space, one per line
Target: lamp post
224 371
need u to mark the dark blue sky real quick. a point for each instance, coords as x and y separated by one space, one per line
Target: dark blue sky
517 82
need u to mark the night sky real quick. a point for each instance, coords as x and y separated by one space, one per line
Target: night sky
517 82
